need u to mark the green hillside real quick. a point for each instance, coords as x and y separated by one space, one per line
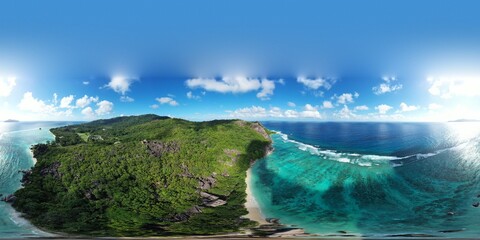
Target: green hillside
143 175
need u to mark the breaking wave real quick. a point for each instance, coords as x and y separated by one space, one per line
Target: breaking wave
363 160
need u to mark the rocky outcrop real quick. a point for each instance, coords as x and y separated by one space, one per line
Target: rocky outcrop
216 203
258 127
208 200
9 199
207 183
26 176
293 232
211 200
273 220
51 170
158 148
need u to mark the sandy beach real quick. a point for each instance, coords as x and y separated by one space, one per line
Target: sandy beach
251 205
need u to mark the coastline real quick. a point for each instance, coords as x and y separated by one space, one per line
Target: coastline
251 204
21 226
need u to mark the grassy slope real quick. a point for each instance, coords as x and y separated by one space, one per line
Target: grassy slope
116 187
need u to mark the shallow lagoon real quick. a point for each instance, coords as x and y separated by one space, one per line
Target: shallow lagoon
372 179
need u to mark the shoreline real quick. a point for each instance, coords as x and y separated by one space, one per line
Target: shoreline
251 204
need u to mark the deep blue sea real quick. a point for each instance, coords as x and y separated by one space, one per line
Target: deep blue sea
15 142
372 179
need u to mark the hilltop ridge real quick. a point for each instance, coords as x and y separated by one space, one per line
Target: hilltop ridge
143 176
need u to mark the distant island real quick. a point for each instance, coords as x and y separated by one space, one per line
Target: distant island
143 176
465 120
11 120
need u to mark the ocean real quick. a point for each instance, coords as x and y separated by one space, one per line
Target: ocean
369 179
15 155
372 179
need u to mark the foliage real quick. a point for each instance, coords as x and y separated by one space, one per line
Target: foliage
115 186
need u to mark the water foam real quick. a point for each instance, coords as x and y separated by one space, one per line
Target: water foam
367 160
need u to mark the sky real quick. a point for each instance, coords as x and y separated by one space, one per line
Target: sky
256 60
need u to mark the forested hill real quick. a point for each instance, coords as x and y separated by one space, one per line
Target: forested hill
143 175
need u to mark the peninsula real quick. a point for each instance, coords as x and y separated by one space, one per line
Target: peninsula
11 120
143 176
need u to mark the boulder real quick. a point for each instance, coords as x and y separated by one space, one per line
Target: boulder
289 233
216 203
207 183
273 220
208 197
158 148
51 170
9 199
195 209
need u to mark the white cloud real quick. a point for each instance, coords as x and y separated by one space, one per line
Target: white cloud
88 112
85 101
104 107
281 81
154 106
361 108
237 84
276 112
346 98
310 112
55 98
126 99
267 89
383 108
318 93
434 106
65 102
42 109
7 85
190 95
448 87
120 84
315 83
291 104
32 104
405 108
345 113
387 86
388 117
85 82
250 112
167 100
291 114
327 104
389 79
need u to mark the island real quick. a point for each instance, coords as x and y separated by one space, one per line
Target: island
11 121
465 120
143 175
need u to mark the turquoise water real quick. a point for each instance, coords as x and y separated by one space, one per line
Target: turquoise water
372 179
15 155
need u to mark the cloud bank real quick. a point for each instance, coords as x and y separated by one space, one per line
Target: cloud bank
235 85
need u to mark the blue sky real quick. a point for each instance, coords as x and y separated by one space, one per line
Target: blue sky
201 60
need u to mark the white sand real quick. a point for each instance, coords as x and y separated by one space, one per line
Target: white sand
251 205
